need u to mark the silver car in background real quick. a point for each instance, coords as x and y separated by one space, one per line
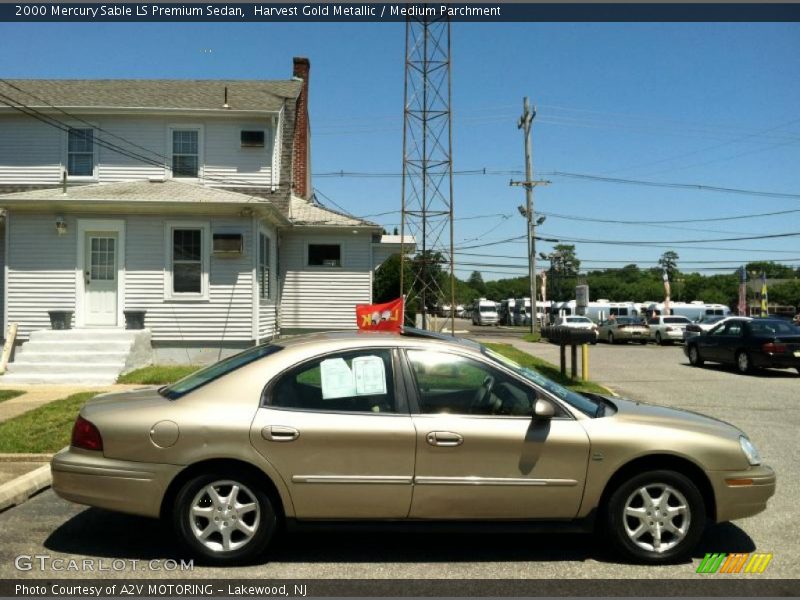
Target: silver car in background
623 329
667 329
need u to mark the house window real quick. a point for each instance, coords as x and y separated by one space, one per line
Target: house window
185 153
263 265
325 255
80 152
187 260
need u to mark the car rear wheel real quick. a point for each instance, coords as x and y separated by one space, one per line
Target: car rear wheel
225 519
656 517
743 363
694 356
659 339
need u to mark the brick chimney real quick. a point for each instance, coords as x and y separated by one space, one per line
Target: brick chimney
301 148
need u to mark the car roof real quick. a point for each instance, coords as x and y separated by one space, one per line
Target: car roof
382 338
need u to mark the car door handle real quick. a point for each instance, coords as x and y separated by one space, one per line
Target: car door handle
279 433
444 438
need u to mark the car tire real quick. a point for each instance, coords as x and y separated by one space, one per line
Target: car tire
677 531
610 338
659 339
643 342
694 356
743 363
246 525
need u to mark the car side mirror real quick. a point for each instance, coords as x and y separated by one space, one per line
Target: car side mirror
543 410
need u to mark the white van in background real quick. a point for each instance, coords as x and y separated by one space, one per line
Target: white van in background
694 311
484 312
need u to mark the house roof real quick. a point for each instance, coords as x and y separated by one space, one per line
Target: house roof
306 212
138 192
192 94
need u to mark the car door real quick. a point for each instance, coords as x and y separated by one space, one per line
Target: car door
337 429
480 455
710 343
730 341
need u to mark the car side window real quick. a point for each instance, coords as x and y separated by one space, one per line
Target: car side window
452 384
358 381
734 328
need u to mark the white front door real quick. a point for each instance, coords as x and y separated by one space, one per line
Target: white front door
100 278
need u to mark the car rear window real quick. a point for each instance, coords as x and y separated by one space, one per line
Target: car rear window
676 320
217 370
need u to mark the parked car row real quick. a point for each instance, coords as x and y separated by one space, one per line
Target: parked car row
747 344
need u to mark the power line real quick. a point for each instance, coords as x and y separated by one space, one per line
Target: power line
634 261
688 186
706 220
648 242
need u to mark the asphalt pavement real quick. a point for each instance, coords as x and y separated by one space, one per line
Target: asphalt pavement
765 405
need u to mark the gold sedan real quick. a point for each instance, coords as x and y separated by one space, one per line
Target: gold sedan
367 427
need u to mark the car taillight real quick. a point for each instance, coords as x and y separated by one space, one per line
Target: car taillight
85 435
774 348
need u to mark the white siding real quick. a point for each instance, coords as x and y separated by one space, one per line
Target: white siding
41 270
32 152
226 316
324 297
2 278
42 277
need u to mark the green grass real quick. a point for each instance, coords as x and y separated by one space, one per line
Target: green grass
532 337
45 429
158 374
9 394
547 369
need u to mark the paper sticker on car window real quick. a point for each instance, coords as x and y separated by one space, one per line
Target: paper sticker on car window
370 375
337 379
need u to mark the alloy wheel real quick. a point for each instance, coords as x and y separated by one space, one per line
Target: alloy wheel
224 515
656 517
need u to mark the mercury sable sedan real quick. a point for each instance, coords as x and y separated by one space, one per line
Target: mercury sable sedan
369 427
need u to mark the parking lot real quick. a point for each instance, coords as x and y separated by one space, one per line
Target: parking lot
765 405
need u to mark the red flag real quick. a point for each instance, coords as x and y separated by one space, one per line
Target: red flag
380 317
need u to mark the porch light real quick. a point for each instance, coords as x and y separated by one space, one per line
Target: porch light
61 225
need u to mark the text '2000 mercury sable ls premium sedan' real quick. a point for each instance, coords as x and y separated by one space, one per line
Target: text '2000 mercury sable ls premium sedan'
370 427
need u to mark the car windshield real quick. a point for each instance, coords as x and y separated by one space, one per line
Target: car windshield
773 326
577 320
488 309
217 370
583 403
678 320
714 319
626 321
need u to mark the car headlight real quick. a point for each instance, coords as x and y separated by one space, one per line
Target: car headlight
753 457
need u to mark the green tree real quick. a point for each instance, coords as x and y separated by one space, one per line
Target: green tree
386 282
475 281
669 263
772 269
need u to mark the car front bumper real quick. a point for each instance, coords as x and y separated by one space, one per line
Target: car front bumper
87 477
742 494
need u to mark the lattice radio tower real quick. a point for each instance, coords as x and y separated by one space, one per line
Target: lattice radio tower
427 188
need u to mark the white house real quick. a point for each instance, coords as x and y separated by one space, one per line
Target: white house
188 200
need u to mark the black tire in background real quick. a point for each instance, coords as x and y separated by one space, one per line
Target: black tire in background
694 356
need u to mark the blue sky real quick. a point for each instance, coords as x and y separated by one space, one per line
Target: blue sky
713 104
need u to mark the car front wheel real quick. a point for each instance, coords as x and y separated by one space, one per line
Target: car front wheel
659 340
225 519
656 517
610 338
694 356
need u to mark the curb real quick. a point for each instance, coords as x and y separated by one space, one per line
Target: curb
16 457
20 489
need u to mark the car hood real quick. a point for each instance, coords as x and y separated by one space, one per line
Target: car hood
640 413
107 404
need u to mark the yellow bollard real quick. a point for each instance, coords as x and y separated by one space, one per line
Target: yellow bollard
585 362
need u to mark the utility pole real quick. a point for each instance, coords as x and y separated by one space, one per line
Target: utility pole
524 123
